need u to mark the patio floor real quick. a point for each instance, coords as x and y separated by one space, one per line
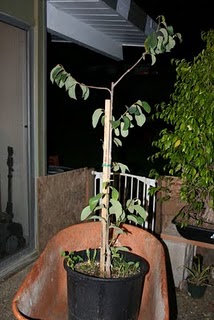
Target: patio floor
187 307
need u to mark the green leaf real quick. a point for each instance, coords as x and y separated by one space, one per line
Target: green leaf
114 194
179 36
153 59
116 208
132 218
118 230
124 133
117 142
146 106
126 122
94 201
141 211
85 92
123 167
85 213
64 76
130 205
115 166
151 41
72 92
170 44
58 78
165 35
129 116
115 124
123 248
132 109
96 116
70 82
94 217
55 71
177 143
170 30
136 219
141 119
117 132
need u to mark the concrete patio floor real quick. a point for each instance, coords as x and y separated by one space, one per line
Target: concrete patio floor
187 307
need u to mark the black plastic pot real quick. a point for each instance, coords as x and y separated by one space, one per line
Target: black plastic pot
196 291
195 233
93 298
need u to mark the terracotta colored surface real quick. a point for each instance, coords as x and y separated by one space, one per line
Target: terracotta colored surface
43 293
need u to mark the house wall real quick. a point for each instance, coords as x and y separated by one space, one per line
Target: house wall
30 15
23 10
14 124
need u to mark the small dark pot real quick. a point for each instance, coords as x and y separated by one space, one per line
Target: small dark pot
93 298
196 291
196 233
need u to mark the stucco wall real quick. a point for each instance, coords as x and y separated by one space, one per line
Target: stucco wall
168 203
22 10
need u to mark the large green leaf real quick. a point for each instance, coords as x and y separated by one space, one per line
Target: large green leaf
96 116
115 193
70 82
141 119
124 133
85 92
115 124
151 41
118 142
141 211
126 121
146 106
72 92
120 166
55 71
116 208
85 213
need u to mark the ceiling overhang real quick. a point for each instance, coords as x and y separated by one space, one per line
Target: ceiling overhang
104 26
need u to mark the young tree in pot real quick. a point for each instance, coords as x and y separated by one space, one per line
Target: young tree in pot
186 144
113 215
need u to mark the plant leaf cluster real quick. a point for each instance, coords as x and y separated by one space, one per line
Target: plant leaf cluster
198 274
133 210
120 267
122 125
161 41
187 141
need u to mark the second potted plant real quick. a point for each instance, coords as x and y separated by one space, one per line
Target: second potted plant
198 278
186 143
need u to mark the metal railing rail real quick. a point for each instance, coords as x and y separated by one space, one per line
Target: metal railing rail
130 187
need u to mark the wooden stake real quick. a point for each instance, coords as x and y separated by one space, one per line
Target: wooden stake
106 178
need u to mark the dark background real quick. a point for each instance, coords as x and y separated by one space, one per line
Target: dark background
70 135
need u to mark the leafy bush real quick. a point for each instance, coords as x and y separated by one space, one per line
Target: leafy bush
187 141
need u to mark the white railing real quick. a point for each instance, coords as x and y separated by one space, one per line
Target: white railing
130 187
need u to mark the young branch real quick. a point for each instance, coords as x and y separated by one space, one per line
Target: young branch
127 71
